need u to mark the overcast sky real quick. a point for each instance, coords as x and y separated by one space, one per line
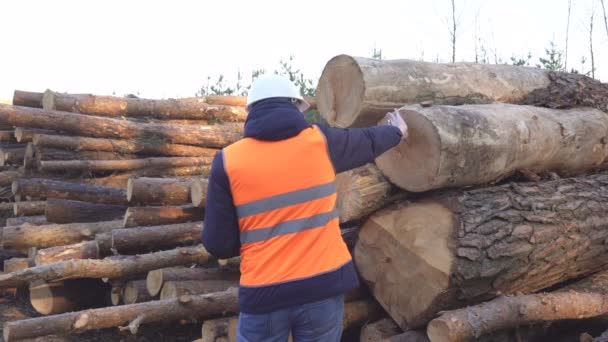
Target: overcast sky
168 48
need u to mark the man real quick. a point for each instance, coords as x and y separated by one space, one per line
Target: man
271 199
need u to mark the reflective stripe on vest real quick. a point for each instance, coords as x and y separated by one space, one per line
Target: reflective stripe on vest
285 194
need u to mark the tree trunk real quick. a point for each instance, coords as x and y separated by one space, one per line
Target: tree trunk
408 336
185 108
213 329
159 191
29 208
12 154
175 289
473 245
469 145
122 165
7 136
357 92
198 192
53 154
127 241
216 136
152 216
121 146
30 220
38 187
6 254
24 135
120 180
69 211
157 278
27 99
16 264
379 330
8 177
65 296
51 235
135 292
80 250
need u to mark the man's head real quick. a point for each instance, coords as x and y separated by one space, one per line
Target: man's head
275 86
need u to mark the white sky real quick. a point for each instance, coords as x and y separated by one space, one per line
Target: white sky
168 48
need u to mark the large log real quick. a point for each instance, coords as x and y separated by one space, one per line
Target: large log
39 187
27 99
30 220
479 144
356 92
473 245
160 191
157 278
121 146
175 289
198 192
135 292
151 216
51 235
155 237
80 250
29 208
70 211
185 108
216 136
122 165
64 296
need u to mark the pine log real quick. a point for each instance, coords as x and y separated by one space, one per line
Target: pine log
6 206
53 154
7 136
127 241
51 235
357 92
473 245
379 330
8 177
159 191
38 187
6 254
80 250
122 165
157 278
29 208
175 289
152 216
213 329
469 145
121 146
198 192
104 244
27 99
170 310
116 295
16 264
29 160
12 154
24 135
70 211
30 220
120 180
65 296
185 108
216 136
135 292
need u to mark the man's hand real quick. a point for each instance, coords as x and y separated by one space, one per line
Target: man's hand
395 119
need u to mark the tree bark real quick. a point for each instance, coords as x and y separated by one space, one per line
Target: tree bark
8 177
121 146
70 211
185 108
188 307
122 165
7 136
379 330
120 180
24 135
64 296
159 191
135 292
30 220
29 208
473 245
175 289
216 136
198 192
357 92
51 235
469 145
53 154
127 241
80 250
16 264
157 278
27 99
213 329
38 187
152 216
12 154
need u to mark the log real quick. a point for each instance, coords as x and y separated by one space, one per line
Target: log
80 250
157 278
8 177
143 239
185 108
29 208
10 155
39 187
69 211
30 220
213 329
53 154
135 292
357 92
473 245
159 191
120 180
16 264
6 254
215 136
121 146
6 207
170 310
24 135
121 165
408 336
51 235
116 295
27 99
470 145
198 192
151 216
7 136
64 296
175 289
379 330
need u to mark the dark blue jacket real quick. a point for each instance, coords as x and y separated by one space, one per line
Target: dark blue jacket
273 120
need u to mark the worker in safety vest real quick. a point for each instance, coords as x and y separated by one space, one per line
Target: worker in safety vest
272 200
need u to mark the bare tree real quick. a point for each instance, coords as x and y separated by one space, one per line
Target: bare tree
453 31
605 18
591 41
567 34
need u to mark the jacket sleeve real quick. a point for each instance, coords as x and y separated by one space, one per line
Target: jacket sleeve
220 234
353 147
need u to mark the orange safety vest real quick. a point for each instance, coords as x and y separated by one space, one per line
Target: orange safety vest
285 195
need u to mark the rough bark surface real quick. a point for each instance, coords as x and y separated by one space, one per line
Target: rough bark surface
27 99
213 329
30 220
16 264
12 154
39 187
7 136
70 211
24 135
473 245
81 250
156 237
120 180
29 208
152 216
157 278
121 165
379 330
175 289
159 191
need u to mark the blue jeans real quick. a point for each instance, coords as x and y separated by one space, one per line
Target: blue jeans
312 322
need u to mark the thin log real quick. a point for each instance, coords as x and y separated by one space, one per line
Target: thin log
53 154
150 216
12 155
120 180
175 289
65 296
121 146
27 99
30 220
16 264
80 250
155 237
122 165
159 191
6 206
29 208
8 177
51 235
70 211
24 135
6 254
135 292
198 192
157 278
38 187
7 136
379 330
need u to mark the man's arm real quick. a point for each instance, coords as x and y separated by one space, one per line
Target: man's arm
220 234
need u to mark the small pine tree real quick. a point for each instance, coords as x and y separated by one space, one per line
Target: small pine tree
553 60
521 61
377 53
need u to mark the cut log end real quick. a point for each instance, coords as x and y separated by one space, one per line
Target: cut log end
116 295
198 192
130 189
